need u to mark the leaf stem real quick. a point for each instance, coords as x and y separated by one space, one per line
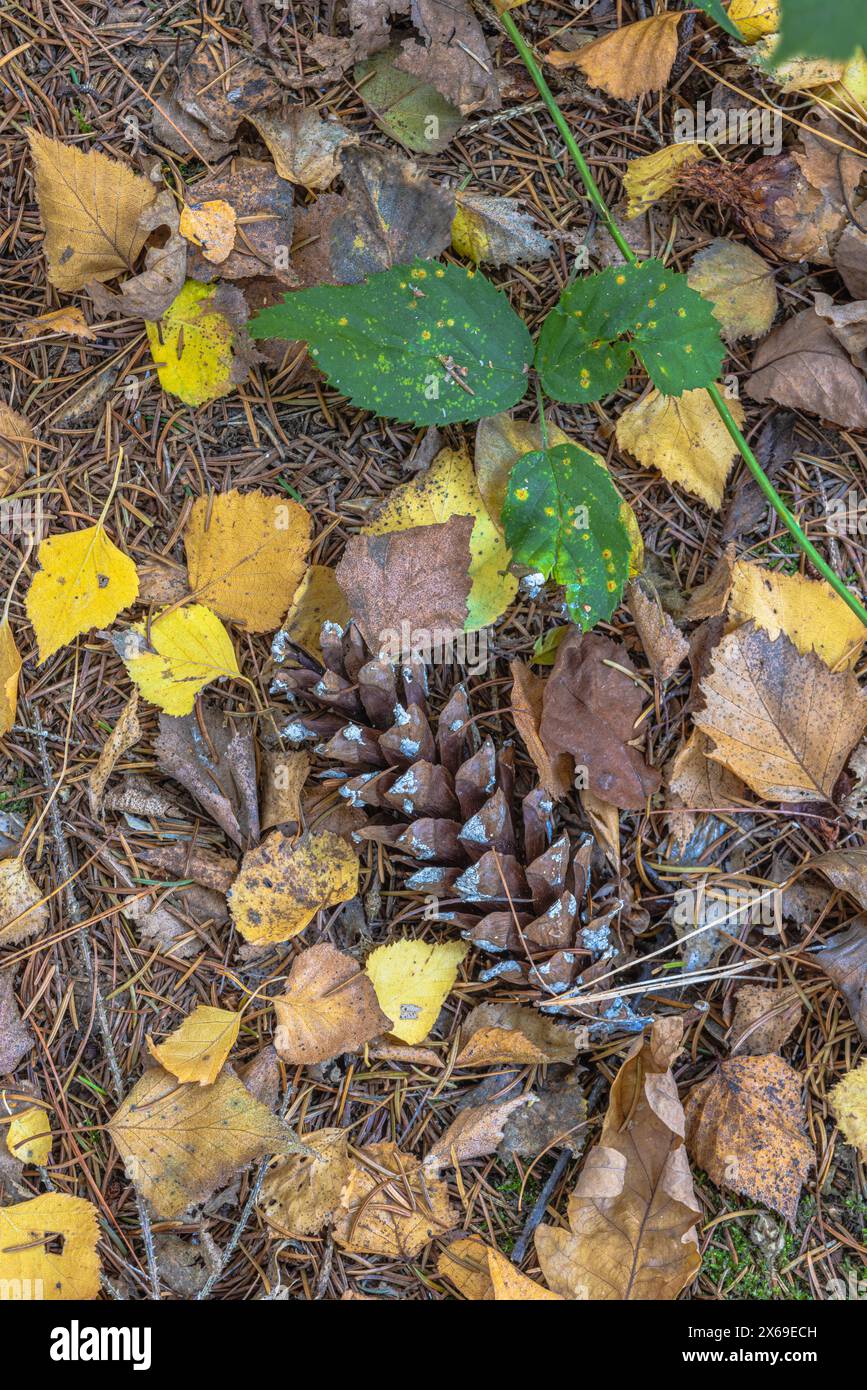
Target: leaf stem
746 453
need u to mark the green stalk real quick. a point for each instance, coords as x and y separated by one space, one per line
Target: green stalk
629 255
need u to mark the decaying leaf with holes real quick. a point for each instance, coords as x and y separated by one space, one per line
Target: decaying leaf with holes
651 176
23 913
84 582
180 1142
197 1049
29 1229
412 980
284 883
389 1207
330 1006
745 1128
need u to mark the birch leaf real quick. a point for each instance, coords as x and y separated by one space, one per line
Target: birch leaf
684 438
739 285
329 1007
630 61
808 611
22 912
849 1104
197 1049
84 582
10 670
174 657
28 1241
412 979
284 883
199 346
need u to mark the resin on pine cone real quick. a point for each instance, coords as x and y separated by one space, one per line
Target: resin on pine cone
442 798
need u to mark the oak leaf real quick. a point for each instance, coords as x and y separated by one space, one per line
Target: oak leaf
84 582
329 1007
29 1233
412 979
197 1049
283 884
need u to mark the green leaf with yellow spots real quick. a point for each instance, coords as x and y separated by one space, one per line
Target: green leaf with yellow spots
426 343
587 342
562 517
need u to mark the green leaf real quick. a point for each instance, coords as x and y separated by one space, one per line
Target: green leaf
815 29
408 109
714 9
425 343
587 341
562 517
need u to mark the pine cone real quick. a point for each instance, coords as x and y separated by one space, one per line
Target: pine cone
442 799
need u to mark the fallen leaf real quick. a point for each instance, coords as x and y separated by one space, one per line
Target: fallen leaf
70 322
557 1118
590 708
633 1211
29 1258
125 735
846 868
216 762
407 108
480 1272
764 1019
200 346
179 1143
84 582
849 1104
197 1049
210 225
847 322
495 231
28 1134
245 555
283 884
90 207
844 960
261 204
301 1191
184 859
761 698
448 49
283 776
495 1033
10 670
318 599
696 784
755 18
305 149
395 1216
418 577
23 913
634 59
16 438
850 259
808 611
412 980
205 93
683 437
16 1039
448 489
739 284
329 1007
651 176
664 644
150 293
745 1128
555 774
473 1132
175 655
802 365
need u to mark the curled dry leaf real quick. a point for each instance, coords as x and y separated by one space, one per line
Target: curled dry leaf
803 365
807 610
696 783
179 1143
494 231
216 762
411 980
396 1216
330 1006
149 294
217 104
30 1234
16 1039
305 149
844 961
68 322
745 1128
448 51
197 1049
633 60
175 655
474 1132
125 734
91 209
663 642
590 708
761 698
482 1273
246 554
301 1191
10 670
684 437
23 913
256 233
526 701
849 1104
633 1212
652 176
496 1033
283 884
739 284
16 439
764 1019
84 581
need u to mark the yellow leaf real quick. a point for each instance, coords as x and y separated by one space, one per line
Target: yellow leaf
684 438
628 62
211 226
739 285
301 1191
329 1008
849 1104
22 912
282 885
70 321
806 610
28 1136
84 582
448 489
396 1217
197 1049
501 441
510 1285
16 438
755 18
90 207
495 1033
196 346
651 176
179 1143
10 669
245 555
412 979
318 599
188 648
482 1273
29 1229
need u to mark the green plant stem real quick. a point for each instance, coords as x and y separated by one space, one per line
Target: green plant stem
629 255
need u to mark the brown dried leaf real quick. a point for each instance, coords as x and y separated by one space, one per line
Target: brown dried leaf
494 1033
217 767
305 149
283 776
764 1019
318 599
496 231
745 1128
695 784
590 708
451 55
149 294
23 914
479 1271
221 85
16 437
388 1208
125 734
632 60
526 701
664 644
844 961
329 1007
802 365
633 1212
16 1039
473 1132
264 215
763 699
